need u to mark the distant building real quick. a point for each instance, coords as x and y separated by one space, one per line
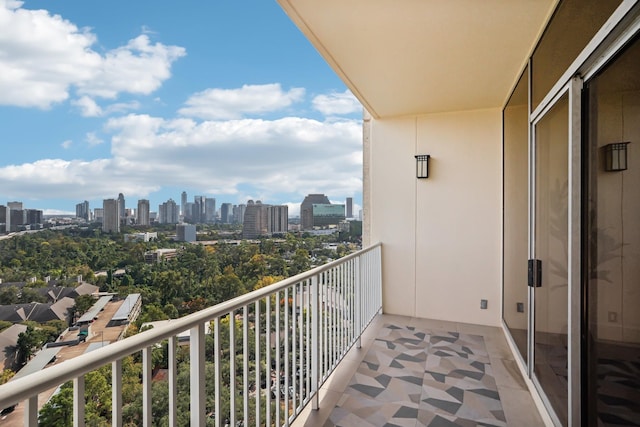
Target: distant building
3 219
198 213
143 212
121 208
169 212
183 203
98 214
82 210
238 213
210 210
111 216
264 220
349 207
160 255
186 233
327 214
140 237
277 219
306 209
226 212
33 218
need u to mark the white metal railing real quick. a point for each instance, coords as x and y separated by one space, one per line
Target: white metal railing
302 327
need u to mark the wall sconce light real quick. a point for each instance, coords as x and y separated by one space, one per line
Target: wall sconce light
422 166
615 157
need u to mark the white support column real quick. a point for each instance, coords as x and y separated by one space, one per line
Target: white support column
173 382
78 401
31 411
358 301
232 368
116 393
218 373
257 361
197 380
146 387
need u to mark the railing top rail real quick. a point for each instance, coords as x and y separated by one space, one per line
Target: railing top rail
30 385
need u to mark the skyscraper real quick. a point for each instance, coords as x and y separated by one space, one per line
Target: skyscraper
183 203
143 212
121 208
198 214
226 212
82 210
169 212
210 210
349 207
277 219
306 209
111 215
238 213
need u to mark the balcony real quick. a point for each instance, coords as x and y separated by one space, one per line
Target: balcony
313 341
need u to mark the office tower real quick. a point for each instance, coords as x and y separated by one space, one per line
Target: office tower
143 212
169 212
111 215
349 207
33 218
121 208
255 220
327 214
82 210
198 214
210 210
186 233
277 219
226 210
238 213
3 219
98 215
306 209
16 206
183 203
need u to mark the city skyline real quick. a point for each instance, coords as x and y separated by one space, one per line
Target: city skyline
220 100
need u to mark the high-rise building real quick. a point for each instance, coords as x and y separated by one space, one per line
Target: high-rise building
3 219
16 206
82 210
143 212
210 210
198 214
238 213
183 203
121 208
111 216
169 212
255 220
327 214
226 212
277 219
98 215
306 209
349 207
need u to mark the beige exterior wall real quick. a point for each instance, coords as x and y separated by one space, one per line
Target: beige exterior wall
441 236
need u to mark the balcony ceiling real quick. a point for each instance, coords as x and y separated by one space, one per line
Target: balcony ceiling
423 56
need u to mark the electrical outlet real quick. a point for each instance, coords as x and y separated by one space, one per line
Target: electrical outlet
613 317
520 307
483 304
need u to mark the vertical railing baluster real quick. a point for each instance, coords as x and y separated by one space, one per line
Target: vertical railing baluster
217 372
31 411
301 373
268 349
277 344
146 387
196 377
358 300
232 368
286 355
78 401
315 338
245 364
294 346
258 360
173 381
116 393
309 337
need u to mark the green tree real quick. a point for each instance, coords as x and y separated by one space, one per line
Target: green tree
83 304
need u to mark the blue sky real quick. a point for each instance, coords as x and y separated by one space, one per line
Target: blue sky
225 99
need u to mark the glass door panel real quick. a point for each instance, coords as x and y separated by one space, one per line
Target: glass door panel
551 248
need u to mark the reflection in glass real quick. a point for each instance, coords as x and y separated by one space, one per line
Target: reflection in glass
551 247
613 246
515 248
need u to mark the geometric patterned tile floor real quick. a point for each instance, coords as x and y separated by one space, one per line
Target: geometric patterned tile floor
416 372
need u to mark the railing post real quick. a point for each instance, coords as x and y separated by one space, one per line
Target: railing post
358 297
218 372
197 380
232 368
31 411
173 382
116 393
315 340
146 387
78 401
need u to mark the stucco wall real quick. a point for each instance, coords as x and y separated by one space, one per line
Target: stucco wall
442 235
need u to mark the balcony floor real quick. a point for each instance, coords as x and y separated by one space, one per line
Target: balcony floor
420 372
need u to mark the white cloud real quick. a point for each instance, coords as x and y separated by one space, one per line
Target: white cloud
291 155
222 104
88 107
337 104
67 144
93 139
43 56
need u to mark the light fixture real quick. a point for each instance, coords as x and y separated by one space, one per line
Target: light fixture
422 166
615 156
